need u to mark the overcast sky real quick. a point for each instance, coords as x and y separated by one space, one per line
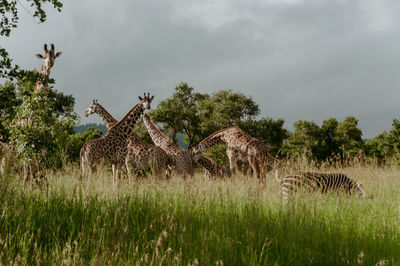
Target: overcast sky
298 59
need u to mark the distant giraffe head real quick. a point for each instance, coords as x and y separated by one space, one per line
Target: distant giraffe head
48 57
92 109
146 100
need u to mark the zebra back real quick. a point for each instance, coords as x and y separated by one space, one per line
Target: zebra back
323 182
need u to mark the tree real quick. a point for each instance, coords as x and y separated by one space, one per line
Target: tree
9 20
386 146
332 138
225 109
8 103
198 115
180 112
379 147
270 131
349 136
304 139
71 147
42 125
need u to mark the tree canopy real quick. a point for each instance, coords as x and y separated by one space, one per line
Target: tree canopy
198 115
331 138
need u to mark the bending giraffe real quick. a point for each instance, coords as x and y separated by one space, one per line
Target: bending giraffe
139 154
235 157
112 146
237 139
182 159
212 169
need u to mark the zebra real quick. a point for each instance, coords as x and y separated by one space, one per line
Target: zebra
323 182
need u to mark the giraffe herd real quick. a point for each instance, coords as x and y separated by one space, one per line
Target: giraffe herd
137 153
124 149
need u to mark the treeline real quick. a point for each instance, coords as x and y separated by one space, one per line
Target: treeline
50 137
82 128
198 115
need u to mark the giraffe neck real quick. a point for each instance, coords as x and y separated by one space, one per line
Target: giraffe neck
158 137
207 163
124 128
109 121
105 116
136 141
212 140
44 75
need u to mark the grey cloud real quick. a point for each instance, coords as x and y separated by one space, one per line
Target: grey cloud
310 59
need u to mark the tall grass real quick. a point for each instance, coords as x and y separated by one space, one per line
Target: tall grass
178 222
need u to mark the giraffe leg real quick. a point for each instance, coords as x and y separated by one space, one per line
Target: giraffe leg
115 170
245 168
263 166
130 168
91 166
254 165
26 172
83 168
232 163
3 166
159 168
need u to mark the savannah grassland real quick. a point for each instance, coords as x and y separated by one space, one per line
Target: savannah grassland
237 221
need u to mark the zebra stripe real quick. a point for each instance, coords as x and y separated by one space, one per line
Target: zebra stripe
319 182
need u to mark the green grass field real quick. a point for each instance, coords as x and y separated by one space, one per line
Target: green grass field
237 221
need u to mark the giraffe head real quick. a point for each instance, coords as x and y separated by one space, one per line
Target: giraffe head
48 57
92 109
146 100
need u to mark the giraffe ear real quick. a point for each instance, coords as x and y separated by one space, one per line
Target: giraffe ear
39 56
58 54
140 98
152 97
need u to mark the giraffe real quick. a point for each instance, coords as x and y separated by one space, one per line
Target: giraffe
143 155
105 116
237 139
30 167
212 169
48 57
182 159
139 153
112 146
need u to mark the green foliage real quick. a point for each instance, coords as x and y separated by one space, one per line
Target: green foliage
42 123
386 145
332 138
304 138
180 113
199 115
225 109
270 131
141 130
74 142
8 103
